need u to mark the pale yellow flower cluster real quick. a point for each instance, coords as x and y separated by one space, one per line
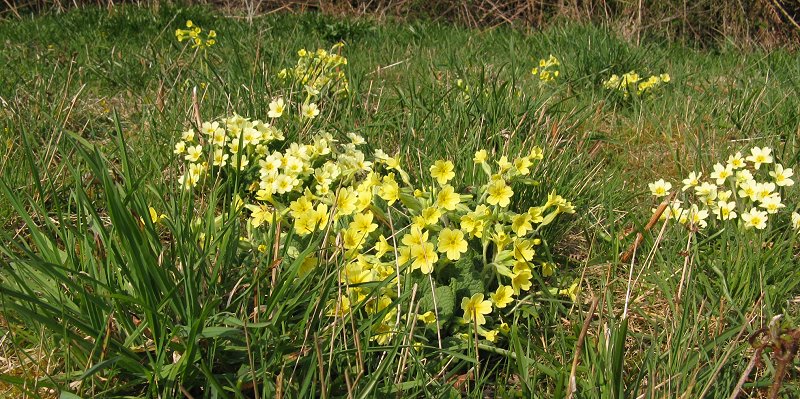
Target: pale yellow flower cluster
193 34
733 191
319 71
547 69
378 226
632 84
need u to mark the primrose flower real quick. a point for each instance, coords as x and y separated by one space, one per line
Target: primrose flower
480 157
697 217
521 280
725 210
503 296
755 218
424 257
259 214
442 171
180 148
691 181
276 108
452 243
721 173
428 317
772 203
499 193
736 161
193 153
475 309
760 156
796 220
660 188
309 111
362 223
521 224
447 198
782 176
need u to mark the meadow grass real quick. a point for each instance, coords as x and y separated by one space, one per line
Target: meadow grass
98 303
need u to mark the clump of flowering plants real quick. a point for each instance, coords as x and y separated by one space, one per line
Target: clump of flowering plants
329 202
631 85
746 192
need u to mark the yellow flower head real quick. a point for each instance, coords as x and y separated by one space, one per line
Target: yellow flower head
475 308
499 193
503 296
452 243
447 198
442 171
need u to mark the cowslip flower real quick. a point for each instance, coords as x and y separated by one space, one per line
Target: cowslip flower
452 243
442 171
475 309
782 176
660 188
760 156
755 218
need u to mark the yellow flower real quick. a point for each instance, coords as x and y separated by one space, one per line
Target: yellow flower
523 250
782 176
382 247
736 161
452 243
389 190
193 153
424 257
759 156
346 202
276 108
523 165
427 217
521 281
415 237
490 335
309 111
154 216
755 218
521 224
721 173
660 188
447 198
362 223
548 268
427 317
796 220
475 308
499 193
442 171
480 157
692 181
260 214
502 296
